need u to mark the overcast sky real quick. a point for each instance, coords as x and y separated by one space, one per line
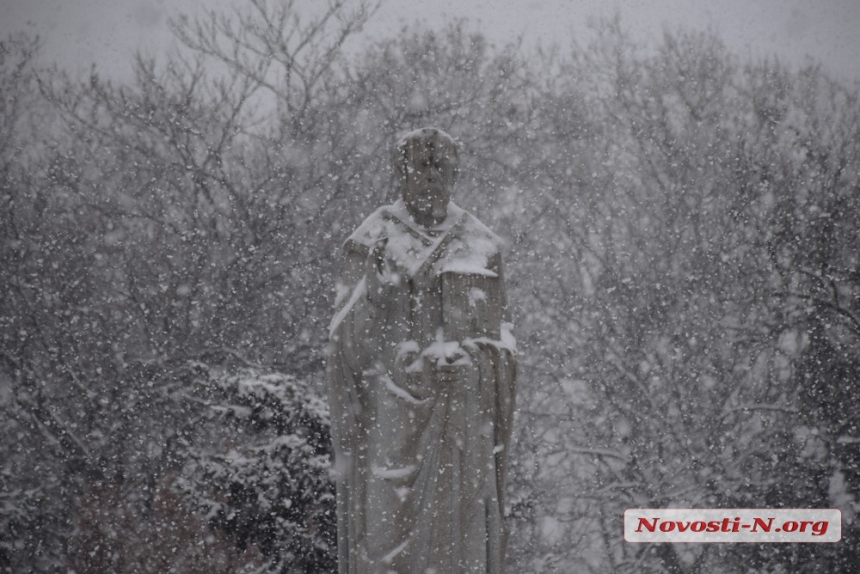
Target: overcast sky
77 33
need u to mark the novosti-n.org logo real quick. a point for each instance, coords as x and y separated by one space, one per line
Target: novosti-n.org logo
732 525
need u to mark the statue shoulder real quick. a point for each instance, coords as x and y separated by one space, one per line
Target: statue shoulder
475 238
475 230
473 249
390 220
368 233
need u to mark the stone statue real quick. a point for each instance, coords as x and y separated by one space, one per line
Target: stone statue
421 377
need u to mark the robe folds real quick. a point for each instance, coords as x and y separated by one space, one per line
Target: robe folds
420 463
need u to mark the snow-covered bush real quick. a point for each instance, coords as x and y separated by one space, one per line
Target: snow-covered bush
264 477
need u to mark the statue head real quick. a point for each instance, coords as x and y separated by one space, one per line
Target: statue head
426 164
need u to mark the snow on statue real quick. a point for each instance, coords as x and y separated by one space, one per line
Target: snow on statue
421 379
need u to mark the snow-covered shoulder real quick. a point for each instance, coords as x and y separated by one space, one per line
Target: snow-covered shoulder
474 250
460 244
371 230
374 227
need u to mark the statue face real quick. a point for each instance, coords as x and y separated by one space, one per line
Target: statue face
428 182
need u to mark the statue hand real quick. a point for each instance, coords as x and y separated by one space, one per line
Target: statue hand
451 370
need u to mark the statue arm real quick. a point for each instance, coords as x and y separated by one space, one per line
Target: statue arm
354 316
345 365
502 353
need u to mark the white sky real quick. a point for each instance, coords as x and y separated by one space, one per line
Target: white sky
77 33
